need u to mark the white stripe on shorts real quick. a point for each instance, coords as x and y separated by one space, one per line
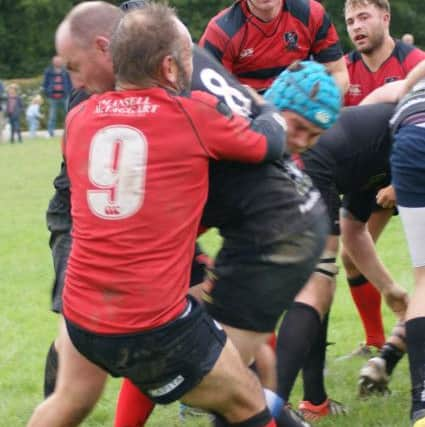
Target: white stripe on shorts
413 220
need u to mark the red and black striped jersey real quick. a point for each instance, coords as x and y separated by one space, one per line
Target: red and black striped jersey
256 52
403 58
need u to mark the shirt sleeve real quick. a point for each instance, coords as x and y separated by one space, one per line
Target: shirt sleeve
227 136
326 46
217 43
414 57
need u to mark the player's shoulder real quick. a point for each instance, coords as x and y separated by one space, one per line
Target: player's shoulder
202 103
198 98
230 20
367 113
301 9
366 120
79 107
352 58
402 51
75 112
316 8
77 96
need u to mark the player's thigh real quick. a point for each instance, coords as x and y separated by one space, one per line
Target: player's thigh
408 171
79 380
229 389
247 342
378 221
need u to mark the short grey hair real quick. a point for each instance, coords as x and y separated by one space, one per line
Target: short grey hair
143 38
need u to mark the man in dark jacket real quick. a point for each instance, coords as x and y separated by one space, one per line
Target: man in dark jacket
57 88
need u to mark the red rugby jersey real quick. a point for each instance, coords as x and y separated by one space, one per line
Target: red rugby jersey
256 52
363 81
138 168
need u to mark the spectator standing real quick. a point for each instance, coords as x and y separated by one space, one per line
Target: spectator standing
2 94
57 88
33 115
408 38
14 108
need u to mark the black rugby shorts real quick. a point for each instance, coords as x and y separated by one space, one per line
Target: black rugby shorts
164 363
253 286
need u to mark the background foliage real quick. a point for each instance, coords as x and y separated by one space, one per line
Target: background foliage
27 27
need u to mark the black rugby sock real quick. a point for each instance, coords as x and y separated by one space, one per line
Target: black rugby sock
50 371
313 376
219 421
288 418
415 333
392 355
297 334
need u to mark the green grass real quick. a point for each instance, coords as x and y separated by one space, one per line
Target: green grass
28 326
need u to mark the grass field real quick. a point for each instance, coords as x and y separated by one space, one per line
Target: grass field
28 327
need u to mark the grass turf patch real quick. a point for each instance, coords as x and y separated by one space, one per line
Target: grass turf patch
28 327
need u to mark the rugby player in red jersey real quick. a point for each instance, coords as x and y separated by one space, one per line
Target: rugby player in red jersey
377 60
407 127
137 197
225 88
257 39
91 67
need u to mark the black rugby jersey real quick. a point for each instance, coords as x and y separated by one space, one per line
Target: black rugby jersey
352 159
356 149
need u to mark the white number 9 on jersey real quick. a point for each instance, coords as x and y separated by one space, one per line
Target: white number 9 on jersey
117 168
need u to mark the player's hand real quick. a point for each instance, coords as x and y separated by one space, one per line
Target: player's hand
397 300
386 197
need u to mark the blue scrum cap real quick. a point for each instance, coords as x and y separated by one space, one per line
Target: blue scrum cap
307 88
132 4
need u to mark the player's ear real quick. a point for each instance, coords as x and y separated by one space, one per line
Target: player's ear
170 70
102 44
387 18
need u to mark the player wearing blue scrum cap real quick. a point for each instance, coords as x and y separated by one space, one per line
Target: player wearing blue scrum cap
307 89
349 160
309 100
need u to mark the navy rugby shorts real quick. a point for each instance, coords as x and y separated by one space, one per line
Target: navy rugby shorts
408 166
164 363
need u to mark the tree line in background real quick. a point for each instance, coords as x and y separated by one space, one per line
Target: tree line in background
27 27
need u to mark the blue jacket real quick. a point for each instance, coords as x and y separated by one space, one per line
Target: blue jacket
49 83
19 106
